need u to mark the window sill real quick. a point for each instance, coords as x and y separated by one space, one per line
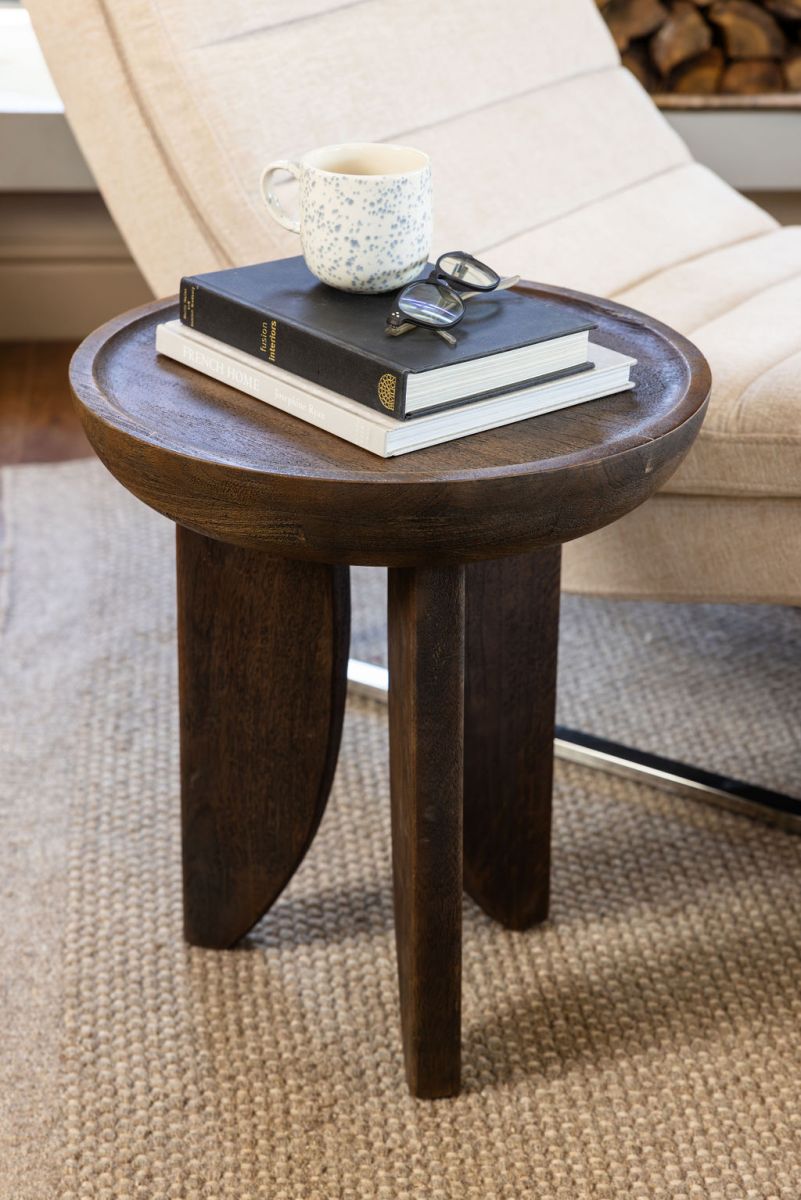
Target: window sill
37 149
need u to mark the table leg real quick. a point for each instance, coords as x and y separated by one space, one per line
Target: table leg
263 647
426 651
510 694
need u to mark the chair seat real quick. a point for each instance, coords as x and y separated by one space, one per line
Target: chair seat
741 305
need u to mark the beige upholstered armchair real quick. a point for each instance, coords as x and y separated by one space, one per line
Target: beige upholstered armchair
550 161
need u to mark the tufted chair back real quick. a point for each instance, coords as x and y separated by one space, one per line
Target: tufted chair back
538 136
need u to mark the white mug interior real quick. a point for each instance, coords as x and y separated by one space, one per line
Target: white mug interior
366 158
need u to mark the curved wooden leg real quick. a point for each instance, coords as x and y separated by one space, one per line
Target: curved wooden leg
263 647
510 697
426 652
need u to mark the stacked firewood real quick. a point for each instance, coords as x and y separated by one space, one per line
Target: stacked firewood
709 47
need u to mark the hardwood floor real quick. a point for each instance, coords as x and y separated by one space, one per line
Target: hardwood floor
37 420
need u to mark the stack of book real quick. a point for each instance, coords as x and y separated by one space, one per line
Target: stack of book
275 332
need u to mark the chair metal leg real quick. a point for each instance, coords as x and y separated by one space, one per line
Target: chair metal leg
747 799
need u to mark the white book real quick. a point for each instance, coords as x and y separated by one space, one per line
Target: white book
372 430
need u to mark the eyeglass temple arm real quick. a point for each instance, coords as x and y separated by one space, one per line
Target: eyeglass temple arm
397 330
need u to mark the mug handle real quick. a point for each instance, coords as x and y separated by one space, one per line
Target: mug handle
274 207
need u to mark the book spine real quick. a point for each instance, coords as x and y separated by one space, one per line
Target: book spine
288 398
293 348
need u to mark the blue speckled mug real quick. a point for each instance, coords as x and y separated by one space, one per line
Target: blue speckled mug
365 213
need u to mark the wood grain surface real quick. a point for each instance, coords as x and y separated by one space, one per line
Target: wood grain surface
263 647
426 688
510 703
38 422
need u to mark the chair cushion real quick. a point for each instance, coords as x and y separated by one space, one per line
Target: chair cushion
742 305
684 247
707 549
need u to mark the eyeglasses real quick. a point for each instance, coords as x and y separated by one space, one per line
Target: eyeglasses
436 302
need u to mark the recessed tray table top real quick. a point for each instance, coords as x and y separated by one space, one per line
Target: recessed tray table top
540 481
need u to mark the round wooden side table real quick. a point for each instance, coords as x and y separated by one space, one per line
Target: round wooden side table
269 513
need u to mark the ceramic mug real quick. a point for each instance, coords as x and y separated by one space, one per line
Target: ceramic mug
365 213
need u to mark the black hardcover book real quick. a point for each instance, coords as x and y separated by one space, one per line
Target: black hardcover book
280 312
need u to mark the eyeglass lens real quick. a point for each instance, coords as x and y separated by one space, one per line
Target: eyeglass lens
468 271
430 304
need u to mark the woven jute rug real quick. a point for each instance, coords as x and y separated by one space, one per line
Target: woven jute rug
644 1044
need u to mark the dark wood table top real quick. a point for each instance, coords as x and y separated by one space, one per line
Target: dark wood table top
233 468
